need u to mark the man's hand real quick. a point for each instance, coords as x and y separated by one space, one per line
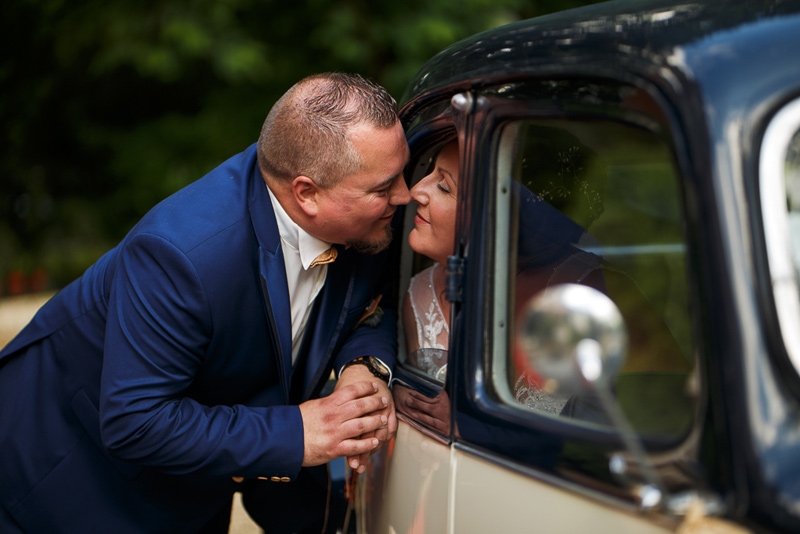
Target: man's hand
360 373
344 422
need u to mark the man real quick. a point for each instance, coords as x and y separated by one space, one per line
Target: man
188 358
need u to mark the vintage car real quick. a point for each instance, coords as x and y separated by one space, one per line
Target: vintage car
624 333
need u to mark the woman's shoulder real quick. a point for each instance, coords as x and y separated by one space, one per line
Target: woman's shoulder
424 274
422 278
420 291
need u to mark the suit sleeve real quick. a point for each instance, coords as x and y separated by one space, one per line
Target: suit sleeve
157 336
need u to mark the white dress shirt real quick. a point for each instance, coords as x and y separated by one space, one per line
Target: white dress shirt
299 249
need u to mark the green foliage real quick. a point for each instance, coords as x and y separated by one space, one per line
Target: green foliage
108 107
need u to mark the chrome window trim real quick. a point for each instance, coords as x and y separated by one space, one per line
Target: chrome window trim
500 289
424 430
772 183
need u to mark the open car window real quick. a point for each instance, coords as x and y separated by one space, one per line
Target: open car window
424 332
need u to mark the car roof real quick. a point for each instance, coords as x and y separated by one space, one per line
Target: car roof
718 49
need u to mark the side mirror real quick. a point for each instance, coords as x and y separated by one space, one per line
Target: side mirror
574 337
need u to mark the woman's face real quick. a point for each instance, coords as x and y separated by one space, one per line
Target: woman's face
435 195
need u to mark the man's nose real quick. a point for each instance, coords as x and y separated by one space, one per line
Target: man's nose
400 193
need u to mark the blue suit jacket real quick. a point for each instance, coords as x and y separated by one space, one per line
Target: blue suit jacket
135 394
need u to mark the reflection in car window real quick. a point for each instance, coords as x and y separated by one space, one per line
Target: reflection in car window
431 362
597 203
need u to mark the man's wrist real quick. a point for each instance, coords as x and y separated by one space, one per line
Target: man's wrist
375 365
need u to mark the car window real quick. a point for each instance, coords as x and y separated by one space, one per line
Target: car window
779 171
424 332
595 202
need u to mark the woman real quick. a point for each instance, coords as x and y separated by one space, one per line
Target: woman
432 236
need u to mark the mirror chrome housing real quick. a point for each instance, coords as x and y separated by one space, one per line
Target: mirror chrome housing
573 336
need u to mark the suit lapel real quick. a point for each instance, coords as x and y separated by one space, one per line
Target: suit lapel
272 272
276 303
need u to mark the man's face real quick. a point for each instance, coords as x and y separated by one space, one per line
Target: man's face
358 210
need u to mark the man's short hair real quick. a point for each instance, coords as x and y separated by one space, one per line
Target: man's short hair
307 130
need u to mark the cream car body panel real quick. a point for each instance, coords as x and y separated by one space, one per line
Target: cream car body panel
457 492
414 461
528 504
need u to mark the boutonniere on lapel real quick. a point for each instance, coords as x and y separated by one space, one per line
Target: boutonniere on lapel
372 314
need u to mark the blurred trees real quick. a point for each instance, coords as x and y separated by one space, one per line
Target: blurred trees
108 107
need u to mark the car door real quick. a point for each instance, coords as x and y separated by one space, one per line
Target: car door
562 182
584 188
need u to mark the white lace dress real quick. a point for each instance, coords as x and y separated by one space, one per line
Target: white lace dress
433 334
432 329
430 353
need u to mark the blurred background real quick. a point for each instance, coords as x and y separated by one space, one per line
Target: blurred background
108 107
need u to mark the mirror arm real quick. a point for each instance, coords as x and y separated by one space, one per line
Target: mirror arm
589 357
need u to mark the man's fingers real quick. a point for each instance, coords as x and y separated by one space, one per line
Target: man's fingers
354 448
383 433
354 391
365 405
363 425
362 460
345 422
359 463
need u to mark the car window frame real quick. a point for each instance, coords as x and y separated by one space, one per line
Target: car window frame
474 398
424 137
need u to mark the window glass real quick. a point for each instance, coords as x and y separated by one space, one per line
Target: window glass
792 174
596 202
779 170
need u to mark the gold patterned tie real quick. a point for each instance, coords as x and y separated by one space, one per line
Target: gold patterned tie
326 257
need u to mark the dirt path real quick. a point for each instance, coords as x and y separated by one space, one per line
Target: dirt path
16 311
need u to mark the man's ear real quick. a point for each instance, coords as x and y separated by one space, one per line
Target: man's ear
304 192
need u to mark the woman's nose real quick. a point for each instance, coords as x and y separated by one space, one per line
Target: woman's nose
419 193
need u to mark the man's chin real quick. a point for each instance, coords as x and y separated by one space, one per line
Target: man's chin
373 246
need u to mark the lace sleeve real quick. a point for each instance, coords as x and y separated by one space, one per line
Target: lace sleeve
432 329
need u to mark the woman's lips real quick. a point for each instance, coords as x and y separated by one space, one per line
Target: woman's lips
419 219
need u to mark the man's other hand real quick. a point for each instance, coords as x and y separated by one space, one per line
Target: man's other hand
359 373
344 422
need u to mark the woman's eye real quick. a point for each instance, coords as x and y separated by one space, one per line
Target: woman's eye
443 188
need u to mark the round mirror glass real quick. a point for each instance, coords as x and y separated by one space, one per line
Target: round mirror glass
573 337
